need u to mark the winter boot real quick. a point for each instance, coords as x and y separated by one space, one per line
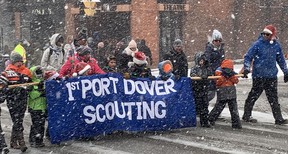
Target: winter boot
282 122
21 141
13 141
249 119
4 150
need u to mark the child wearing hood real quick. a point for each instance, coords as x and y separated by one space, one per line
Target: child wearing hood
37 107
165 70
226 93
111 65
200 87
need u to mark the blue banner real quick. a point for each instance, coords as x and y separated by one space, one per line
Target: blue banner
100 104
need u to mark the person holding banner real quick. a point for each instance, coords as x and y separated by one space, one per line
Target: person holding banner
226 94
83 55
165 70
37 108
200 87
265 53
16 72
126 56
138 68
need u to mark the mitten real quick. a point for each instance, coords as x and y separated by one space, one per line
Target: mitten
24 78
286 78
227 72
126 75
41 85
245 73
204 76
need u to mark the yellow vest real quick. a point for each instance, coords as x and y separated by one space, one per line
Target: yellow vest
21 50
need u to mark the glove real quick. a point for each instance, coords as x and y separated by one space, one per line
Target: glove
41 85
245 73
286 78
227 72
126 75
204 76
24 78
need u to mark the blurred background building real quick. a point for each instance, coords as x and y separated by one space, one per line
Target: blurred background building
159 22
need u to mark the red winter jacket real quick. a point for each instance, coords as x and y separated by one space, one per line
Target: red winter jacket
68 67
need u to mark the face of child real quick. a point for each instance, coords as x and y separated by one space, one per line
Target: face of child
201 62
18 64
112 63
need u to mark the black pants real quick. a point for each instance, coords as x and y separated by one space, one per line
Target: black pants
2 139
38 126
270 87
202 104
17 108
220 105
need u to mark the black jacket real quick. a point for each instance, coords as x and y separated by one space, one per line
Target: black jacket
179 62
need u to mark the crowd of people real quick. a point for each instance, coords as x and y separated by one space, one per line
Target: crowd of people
80 57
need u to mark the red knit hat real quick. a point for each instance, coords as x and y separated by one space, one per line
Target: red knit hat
139 58
270 29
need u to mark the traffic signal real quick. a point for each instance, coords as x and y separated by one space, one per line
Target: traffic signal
90 6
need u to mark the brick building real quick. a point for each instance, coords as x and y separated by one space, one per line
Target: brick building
159 22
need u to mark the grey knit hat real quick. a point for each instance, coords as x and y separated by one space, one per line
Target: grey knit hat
15 57
177 42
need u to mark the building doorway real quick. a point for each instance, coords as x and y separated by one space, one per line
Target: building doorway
170 30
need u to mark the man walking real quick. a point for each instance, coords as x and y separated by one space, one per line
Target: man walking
265 52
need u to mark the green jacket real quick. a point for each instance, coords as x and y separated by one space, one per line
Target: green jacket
35 100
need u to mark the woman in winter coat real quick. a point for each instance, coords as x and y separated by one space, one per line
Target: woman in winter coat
215 54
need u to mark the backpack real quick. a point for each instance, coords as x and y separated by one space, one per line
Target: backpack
51 52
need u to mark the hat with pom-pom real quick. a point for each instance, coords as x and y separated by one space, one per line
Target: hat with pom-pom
81 68
216 35
50 75
139 58
270 29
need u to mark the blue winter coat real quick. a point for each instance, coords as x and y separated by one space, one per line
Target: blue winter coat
265 56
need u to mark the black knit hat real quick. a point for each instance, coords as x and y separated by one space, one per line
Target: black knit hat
84 51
